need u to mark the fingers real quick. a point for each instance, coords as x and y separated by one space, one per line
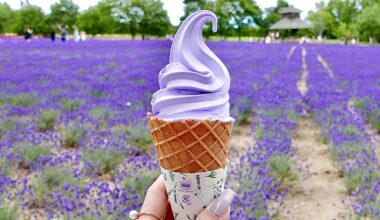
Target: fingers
156 201
219 209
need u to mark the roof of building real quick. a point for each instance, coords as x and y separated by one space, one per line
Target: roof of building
287 23
289 9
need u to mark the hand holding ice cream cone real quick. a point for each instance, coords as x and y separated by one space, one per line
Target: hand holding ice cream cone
190 122
156 197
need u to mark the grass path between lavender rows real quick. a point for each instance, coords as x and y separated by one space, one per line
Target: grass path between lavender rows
318 194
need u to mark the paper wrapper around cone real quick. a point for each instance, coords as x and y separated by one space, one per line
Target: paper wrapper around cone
193 160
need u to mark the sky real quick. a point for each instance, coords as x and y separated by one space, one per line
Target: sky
173 7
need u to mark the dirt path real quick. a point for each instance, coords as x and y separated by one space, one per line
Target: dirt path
318 193
301 84
290 52
326 65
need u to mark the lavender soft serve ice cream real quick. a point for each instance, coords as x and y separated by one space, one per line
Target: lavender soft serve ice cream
195 83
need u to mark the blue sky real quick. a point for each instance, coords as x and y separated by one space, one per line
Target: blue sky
174 7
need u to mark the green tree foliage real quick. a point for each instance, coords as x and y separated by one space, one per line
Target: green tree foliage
237 14
30 16
368 22
155 20
98 19
194 5
142 16
272 15
64 13
322 20
6 17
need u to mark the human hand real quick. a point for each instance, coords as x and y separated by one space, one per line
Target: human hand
156 204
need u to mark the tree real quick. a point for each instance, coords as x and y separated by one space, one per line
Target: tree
366 3
322 19
156 21
6 17
237 14
98 19
30 16
142 16
192 6
344 11
272 15
64 13
368 22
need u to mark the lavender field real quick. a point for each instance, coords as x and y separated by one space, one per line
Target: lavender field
74 143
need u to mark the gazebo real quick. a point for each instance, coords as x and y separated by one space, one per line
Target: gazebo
291 20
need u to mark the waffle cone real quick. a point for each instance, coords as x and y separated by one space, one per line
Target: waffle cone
190 146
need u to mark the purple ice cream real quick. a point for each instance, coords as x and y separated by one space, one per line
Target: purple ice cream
195 83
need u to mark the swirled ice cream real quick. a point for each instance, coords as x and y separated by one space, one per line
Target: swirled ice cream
195 83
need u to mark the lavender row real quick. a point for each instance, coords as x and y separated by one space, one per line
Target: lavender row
351 145
267 167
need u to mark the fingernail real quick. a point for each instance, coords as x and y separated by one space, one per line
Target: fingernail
219 206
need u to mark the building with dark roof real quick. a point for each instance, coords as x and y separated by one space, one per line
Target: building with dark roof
291 20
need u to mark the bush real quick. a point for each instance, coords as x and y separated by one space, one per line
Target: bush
5 167
353 181
53 178
104 159
242 110
72 104
139 136
6 126
282 169
31 153
101 113
359 104
141 183
9 212
47 119
374 119
72 134
22 100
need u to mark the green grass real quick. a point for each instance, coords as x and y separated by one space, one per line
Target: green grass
105 160
48 119
72 134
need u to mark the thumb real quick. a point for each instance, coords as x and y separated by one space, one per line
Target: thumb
219 209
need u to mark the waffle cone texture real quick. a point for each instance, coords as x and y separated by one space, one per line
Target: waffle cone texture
190 146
